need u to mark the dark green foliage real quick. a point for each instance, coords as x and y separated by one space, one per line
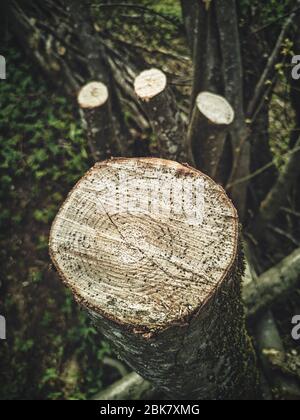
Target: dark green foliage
43 153
266 12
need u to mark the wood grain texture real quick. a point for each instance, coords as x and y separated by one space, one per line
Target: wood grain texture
159 271
143 268
209 127
159 103
149 84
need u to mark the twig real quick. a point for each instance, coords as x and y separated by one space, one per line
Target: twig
264 99
276 197
272 286
270 64
152 51
263 28
262 169
285 235
290 211
144 9
131 387
116 364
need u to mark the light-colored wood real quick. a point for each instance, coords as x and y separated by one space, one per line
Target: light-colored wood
155 263
207 132
215 108
93 95
149 84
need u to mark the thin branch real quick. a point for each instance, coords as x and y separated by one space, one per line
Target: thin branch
144 9
260 87
285 235
268 92
291 211
263 28
262 169
277 196
156 51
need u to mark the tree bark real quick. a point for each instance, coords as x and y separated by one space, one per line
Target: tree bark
161 108
93 100
173 314
207 54
259 294
83 26
211 121
233 84
189 14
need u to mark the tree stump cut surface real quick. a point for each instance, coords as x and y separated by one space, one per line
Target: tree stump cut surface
145 243
93 95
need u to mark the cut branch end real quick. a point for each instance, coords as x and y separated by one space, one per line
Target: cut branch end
215 108
93 95
150 83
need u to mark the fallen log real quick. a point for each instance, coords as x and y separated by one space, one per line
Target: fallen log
131 387
162 110
274 383
151 249
211 121
273 285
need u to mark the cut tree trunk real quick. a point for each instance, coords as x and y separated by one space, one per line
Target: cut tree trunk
151 249
83 26
162 110
94 104
212 118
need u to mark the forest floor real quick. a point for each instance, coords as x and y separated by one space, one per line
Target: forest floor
52 351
